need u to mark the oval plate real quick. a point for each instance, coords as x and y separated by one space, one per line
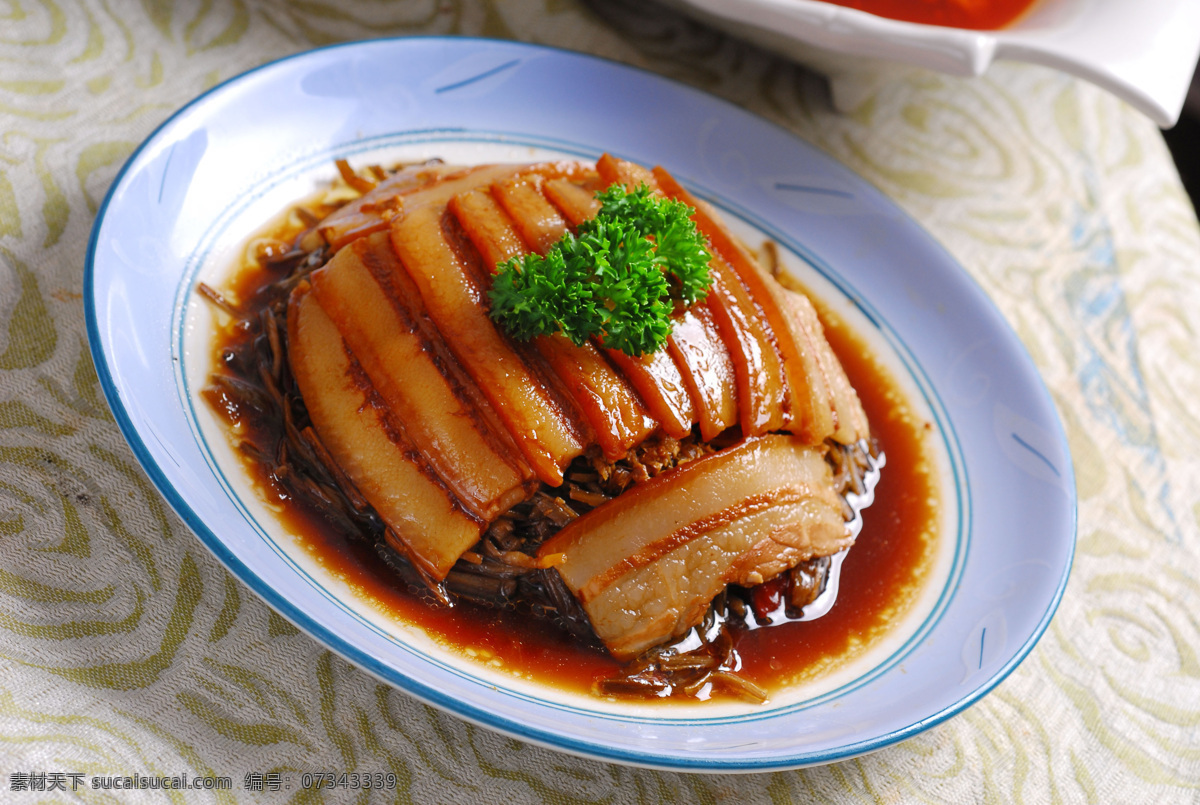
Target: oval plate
227 163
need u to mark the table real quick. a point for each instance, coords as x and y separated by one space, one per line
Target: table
125 648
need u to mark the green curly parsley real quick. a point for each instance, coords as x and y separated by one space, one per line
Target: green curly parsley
617 279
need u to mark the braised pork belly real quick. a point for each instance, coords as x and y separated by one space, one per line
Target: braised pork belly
719 459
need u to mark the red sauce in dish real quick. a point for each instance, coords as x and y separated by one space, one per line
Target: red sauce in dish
880 577
980 15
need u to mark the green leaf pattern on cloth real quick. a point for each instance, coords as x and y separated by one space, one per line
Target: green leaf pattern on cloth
125 647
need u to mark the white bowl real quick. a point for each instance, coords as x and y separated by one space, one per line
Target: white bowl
1143 51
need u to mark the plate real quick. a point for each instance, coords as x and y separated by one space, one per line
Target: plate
228 162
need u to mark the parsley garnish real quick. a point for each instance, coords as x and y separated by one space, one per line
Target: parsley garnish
617 279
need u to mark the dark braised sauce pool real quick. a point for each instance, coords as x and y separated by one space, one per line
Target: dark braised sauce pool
880 577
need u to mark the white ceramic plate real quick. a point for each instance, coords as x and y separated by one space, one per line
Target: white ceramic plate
1144 52
214 173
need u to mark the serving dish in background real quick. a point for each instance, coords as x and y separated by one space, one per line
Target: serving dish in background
220 168
1144 52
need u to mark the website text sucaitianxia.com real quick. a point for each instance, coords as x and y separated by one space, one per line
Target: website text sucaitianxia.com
45 781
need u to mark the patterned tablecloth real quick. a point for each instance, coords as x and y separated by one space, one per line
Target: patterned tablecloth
126 648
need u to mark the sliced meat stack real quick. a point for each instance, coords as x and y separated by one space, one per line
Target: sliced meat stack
443 422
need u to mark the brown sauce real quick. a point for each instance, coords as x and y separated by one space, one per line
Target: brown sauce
880 578
884 571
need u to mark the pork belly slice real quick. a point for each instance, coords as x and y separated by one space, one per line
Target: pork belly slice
543 426
628 174
762 391
377 310
535 218
366 214
353 423
411 187
576 200
661 388
706 367
487 226
615 413
809 412
851 419
646 565
602 395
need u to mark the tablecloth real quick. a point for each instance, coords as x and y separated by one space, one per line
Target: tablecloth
125 648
